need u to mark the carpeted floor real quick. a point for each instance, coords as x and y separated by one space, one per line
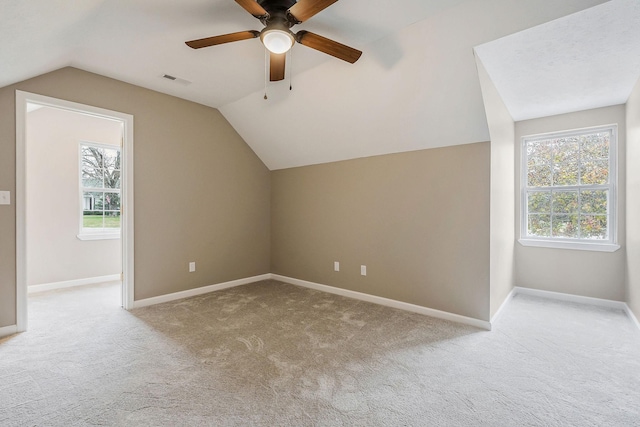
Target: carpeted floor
272 354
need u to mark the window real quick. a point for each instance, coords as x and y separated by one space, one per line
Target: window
99 191
569 189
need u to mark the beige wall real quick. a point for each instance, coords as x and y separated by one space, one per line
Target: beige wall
633 201
585 273
54 253
419 221
502 131
7 213
201 194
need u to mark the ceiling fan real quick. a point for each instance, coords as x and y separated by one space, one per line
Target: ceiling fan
278 16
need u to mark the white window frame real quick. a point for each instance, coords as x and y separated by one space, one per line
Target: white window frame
96 233
609 245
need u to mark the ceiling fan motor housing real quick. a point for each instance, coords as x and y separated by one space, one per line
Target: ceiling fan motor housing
278 12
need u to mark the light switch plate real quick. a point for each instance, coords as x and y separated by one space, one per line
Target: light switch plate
5 197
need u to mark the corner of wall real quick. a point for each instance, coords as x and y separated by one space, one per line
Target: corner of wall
632 279
502 198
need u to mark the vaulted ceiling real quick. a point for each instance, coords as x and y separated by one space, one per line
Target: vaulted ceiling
415 87
586 60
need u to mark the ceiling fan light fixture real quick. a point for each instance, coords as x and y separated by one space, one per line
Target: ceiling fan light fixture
277 41
278 16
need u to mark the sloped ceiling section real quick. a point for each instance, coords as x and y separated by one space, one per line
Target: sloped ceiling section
414 89
137 41
39 36
585 60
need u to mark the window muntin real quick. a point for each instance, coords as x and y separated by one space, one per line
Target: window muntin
100 181
569 188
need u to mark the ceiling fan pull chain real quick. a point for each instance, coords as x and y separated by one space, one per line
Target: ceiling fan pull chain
266 71
290 69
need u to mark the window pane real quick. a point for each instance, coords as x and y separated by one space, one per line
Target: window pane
539 176
594 201
538 152
595 172
92 156
565 173
85 152
539 201
111 159
595 146
112 169
111 201
88 202
93 201
593 227
91 177
112 219
92 220
565 150
565 226
112 179
565 202
539 225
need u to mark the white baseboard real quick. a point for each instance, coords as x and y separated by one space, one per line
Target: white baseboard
482 324
386 302
71 283
506 301
633 318
571 298
607 303
5 331
198 291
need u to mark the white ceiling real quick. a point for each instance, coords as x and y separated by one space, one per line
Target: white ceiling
138 41
586 60
415 87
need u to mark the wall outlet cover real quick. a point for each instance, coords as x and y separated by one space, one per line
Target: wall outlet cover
5 197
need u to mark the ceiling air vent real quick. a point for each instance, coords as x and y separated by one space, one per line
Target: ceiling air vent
176 79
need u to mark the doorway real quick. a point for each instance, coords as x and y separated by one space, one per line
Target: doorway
101 216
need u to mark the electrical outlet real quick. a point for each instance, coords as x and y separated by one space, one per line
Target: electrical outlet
192 267
336 266
5 197
363 270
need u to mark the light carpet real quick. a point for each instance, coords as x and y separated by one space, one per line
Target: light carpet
273 354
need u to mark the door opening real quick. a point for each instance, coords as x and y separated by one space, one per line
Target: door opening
97 211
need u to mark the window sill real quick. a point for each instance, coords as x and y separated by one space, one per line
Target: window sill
99 236
579 246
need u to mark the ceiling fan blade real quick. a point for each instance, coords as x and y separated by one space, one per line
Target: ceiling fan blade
253 8
328 46
226 38
305 9
277 62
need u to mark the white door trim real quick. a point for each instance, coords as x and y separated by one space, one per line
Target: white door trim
22 98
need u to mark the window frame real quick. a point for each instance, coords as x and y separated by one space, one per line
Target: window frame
96 233
609 245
